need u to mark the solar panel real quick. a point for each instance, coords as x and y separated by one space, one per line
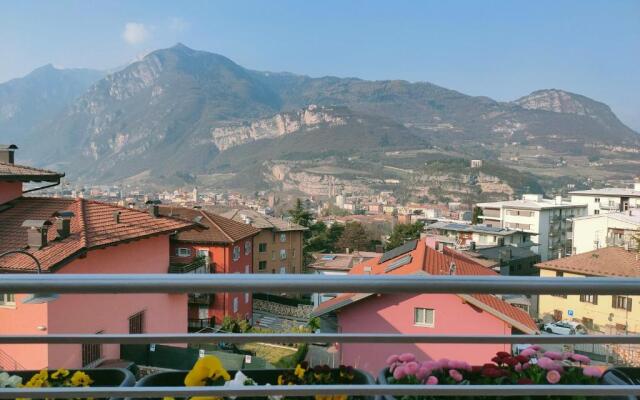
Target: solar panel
398 251
328 257
399 263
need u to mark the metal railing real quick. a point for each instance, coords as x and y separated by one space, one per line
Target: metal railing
153 283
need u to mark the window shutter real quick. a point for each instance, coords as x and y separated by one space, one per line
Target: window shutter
613 301
628 303
595 299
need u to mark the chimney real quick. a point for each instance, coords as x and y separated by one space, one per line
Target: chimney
37 233
154 210
472 245
6 153
63 223
116 217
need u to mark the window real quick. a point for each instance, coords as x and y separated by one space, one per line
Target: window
183 252
621 302
262 265
235 304
91 353
424 317
7 299
597 199
589 298
202 253
283 237
136 323
596 212
283 270
236 253
560 274
273 255
247 247
246 298
283 254
293 253
262 247
247 269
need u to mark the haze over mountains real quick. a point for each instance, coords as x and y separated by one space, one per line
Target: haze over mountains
180 112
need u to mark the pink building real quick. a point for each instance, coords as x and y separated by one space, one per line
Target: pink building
223 246
437 314
78 236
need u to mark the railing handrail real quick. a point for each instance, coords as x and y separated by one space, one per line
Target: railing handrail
290 283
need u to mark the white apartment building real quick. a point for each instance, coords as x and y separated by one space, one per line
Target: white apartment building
547 220
617 229
602 201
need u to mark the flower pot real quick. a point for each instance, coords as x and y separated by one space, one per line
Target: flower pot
102 377
261 377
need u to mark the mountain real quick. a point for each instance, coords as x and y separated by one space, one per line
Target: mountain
182 112
27 102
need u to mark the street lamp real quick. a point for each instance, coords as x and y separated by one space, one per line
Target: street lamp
35 298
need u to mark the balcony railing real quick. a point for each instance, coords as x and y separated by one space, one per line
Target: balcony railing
151 283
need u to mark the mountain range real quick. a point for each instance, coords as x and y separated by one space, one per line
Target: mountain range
180 112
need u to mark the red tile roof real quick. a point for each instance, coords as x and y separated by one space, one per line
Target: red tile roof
608 261
425 259
217 229
13 172
92 226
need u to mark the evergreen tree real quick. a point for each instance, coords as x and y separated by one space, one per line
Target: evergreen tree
403 233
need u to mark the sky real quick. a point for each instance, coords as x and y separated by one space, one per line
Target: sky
500 48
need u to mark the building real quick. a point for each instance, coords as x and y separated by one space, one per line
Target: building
278 245
596 231
601 201
77 236
480 235
220 246
336 264
547 220
603 313
437 314
476 164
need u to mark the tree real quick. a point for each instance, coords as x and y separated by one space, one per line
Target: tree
477 212
300 215
403 233
354 238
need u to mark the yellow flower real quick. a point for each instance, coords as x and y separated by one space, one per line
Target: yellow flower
79 378
168 398
208 367
299 371
61 373
280 379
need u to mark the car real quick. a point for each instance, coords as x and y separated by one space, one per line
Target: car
565 328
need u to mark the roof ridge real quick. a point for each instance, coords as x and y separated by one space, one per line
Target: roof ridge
207 216
83 223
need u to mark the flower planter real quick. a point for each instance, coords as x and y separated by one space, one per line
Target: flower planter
261 377
623 376
102 377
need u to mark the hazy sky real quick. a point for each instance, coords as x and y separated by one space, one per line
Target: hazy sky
500 49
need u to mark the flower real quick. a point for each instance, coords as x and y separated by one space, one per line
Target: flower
547 363
423 372
594 372
205 369
535 347
503 354
457 376
443 363
432 380
79 378
455 364
239 380
399 373
528 352
554 355
580 358
553 377
392 359
61 373
411 368
524 381
406 357
10 381
299 371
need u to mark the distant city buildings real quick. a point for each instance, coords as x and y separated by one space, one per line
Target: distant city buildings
601 201
618 229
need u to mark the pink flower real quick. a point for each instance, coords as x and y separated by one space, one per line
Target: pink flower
443 363
535 347
431 364
518 367
411 368
432 380
392 359
525 366
423 372
554 355
399 373
553 377
457 376
528 352
456 364
406 357
594 372
549 364
581 359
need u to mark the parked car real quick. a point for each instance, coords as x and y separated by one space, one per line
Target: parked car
565 328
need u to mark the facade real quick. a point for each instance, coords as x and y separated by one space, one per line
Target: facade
603 313
480 235
446 314
602 201
219 246
278 245
70 236
603 230
547 220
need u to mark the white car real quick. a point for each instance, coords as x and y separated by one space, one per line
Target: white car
565 328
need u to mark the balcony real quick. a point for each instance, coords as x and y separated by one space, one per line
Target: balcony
203 299
188 283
